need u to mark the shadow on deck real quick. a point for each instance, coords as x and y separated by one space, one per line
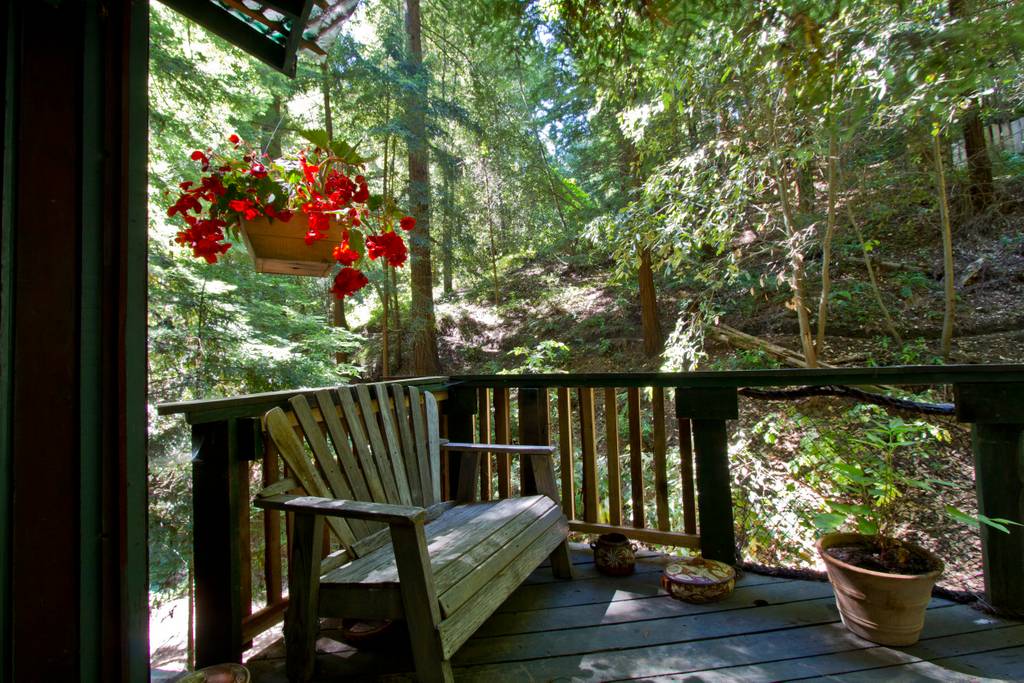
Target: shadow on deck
602 628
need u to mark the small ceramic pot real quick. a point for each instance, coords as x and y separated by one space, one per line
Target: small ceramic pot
614 555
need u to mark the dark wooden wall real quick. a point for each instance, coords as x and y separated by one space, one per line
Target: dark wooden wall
72 329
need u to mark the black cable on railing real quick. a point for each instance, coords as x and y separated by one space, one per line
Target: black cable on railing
850 393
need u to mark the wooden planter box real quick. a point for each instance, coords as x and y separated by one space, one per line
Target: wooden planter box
281 248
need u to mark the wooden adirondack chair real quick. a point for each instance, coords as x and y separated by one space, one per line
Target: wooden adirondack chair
442 567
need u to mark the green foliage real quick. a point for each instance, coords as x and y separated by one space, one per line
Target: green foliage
547 356
865 471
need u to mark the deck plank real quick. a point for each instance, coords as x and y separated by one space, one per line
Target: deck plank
604 628
872 662
619 606
702 654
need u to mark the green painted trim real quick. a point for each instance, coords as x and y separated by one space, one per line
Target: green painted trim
136 569
90 561
224 23
6 346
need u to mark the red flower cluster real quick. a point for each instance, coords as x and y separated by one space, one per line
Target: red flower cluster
344 255
348 281
389 245
205 236
245 187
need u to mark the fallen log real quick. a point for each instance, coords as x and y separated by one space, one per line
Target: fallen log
742 340
887 265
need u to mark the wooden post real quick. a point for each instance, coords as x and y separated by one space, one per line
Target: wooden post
996 414
463 468
534 430
709 409
218 494
271 528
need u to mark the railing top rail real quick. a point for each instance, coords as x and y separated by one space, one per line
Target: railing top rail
254 405
906 374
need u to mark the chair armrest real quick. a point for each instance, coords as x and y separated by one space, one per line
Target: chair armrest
399 515
514 449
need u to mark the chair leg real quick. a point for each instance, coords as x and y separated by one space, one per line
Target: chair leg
302 625
561 563
431 666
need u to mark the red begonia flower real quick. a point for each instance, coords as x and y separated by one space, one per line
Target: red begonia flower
348 281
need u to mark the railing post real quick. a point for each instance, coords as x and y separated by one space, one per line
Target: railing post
708 409
996 414
463 468
220 499
534 430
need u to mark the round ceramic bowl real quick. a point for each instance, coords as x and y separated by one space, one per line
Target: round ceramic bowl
698 580
220 673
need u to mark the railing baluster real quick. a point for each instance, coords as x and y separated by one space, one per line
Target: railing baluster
271 528
565 448
483 416
686 472
502 434
611 434
660 458
588 444
636 461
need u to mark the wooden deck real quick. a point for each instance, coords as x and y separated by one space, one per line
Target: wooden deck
599 628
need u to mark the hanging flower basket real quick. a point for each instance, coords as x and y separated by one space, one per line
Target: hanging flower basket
309 213
277 247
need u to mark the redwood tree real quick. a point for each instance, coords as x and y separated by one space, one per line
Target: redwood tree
422 325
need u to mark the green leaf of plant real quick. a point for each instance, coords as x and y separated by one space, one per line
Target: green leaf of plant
356 242
829 521
867 527
375 202
347 153
316 136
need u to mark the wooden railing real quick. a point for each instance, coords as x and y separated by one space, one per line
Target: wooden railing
598 423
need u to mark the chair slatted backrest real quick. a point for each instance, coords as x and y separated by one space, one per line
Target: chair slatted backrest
369 442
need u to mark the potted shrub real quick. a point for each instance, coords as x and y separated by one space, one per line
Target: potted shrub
882 583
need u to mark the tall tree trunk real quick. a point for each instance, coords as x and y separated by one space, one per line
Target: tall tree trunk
337 305
422 325
654 342
448 170
826 246
447 202
947 251
979 165
805 188
797 275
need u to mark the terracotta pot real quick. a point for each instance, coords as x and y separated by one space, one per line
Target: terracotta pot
614 555
884 608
